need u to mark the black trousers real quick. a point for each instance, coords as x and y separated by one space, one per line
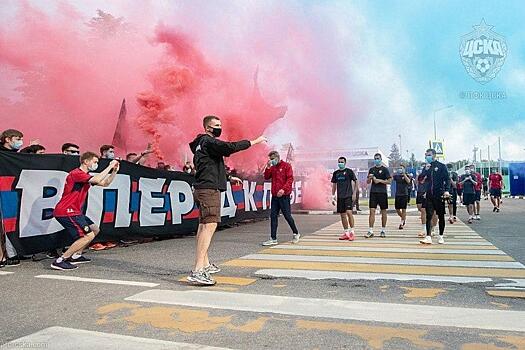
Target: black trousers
281 204
435 204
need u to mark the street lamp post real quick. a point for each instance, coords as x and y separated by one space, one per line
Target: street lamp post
435 111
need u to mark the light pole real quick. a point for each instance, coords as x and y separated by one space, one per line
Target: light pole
435 111
400 148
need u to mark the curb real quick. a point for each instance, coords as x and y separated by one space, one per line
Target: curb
331 212
515 197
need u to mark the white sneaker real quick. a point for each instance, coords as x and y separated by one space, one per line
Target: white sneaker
478 217
270 242
426 240
441 240
296 238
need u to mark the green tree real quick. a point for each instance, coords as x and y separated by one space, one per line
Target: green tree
394 157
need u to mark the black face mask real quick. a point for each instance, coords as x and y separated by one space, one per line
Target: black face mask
216 132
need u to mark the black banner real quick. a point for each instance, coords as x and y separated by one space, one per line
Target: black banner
141 201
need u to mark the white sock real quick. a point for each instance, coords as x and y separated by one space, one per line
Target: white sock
424 227
352 230
75 256
370 229
347 230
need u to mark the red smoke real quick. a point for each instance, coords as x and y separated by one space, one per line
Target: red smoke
241 63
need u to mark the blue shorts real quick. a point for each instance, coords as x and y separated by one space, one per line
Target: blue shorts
76 226
478 196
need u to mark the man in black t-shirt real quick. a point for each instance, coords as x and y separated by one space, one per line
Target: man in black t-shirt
469 182
379 177
344 182
403 188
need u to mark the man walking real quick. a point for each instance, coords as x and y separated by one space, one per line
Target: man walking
379 177
469 181
281 174
438 181
210 181
479 185
496 184
403 188
344 182
453 205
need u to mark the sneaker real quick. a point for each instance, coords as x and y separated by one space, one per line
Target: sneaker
422 234
344 236
494 210
351 236
497 210
477 217
80 260
270 242
200 278
382 234
426 240
441 240
369 234
97 246
212 268
52 254
2 263
450 220
14 261
63 265
400 226
128 241
110 245
455 219
296 238
470 220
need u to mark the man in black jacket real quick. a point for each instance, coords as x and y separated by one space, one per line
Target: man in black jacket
437 180
210 181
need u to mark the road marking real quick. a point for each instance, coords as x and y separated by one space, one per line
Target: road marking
518 284
358 260
5 273
97 280
507 294
414 241
407 236
415 270
341 309
349 276
78 339
337 243
389 255
422 249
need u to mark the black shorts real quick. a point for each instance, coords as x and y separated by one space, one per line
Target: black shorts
76 226
460 191
376 199
478 196
495 192
421 200
344 204
469 198
436 204
401 202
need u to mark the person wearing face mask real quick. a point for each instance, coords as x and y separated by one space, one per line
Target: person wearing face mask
403 187
210 180
68 211
452 206
469 182
11 140
344 182
281 174
379 177
437 179
107 152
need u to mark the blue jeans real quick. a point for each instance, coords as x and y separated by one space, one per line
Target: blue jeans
281 204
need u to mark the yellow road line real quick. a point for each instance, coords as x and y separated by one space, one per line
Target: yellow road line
396 269
506 293
388 255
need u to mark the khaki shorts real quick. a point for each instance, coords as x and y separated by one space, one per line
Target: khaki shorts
209 203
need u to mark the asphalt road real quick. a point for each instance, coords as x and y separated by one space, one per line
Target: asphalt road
319 294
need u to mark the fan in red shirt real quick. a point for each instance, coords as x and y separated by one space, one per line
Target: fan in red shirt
479 185
495 185
68 211
281 174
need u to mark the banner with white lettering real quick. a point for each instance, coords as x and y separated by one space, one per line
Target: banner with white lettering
141 201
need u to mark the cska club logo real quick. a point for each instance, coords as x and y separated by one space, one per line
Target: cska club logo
483 52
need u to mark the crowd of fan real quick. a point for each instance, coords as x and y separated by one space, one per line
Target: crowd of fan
12 140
